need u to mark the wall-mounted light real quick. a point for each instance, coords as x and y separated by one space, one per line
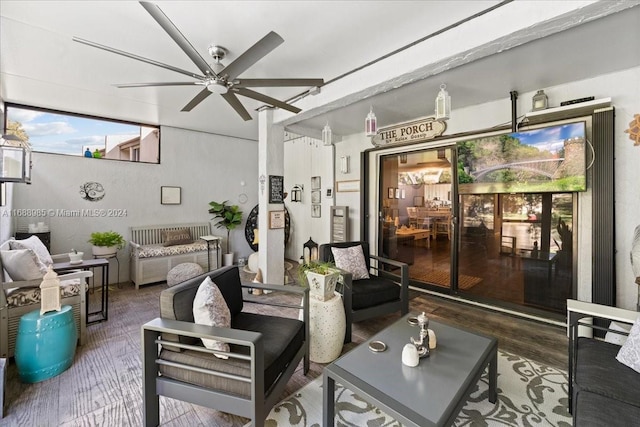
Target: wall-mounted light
370 124
326 135
443 104
344 164
403 158
296 193
540 101
15 159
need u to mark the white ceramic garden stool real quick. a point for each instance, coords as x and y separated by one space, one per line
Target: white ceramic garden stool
327 326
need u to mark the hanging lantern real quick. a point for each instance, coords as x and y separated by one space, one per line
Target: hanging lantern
370 124
310 251
15 159
540 101
443 104
326 135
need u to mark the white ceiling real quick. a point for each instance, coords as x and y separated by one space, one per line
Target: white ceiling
40 65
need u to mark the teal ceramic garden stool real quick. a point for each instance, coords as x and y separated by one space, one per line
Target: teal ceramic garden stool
45 344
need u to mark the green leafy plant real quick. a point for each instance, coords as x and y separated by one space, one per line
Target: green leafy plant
228 216
320 267
107 238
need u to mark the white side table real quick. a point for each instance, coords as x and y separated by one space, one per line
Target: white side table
327 326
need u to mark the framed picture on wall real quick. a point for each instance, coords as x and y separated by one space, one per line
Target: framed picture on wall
315 211
397 193
315 196
418 201
402 194
391 193
315 182
170 195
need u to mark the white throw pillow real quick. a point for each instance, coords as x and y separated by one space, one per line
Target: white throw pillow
36 245
210 308
351 259
22 264
629 353
614 338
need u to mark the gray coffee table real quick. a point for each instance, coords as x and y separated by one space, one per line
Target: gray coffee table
432 393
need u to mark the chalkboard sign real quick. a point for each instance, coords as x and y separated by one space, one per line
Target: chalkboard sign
276 189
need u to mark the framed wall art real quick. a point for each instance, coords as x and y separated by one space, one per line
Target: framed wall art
276 219
315 211
347 186
170 195
315 196
315 182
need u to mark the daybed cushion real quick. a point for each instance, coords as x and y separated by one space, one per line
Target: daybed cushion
278 348
210 308
35 244
595 410
18 297
23 264
150 251
611 379
629 353
177 237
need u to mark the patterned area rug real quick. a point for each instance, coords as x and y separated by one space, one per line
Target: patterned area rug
529 394
441 278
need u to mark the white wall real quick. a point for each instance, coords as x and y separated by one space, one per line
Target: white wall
624 89
206 166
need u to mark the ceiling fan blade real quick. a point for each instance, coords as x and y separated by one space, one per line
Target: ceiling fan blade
252 55
127 85
278 82
233 100
138 58
266 99
201 96
166 24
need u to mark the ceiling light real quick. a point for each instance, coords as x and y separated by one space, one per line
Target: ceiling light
443 104
370 124
326 135
217 87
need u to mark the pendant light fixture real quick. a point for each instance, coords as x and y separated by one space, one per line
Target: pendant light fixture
326 135
443 104
370 124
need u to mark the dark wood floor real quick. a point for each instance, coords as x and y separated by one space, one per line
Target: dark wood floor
103 386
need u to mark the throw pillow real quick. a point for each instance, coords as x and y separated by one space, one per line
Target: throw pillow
177 237
210 308
36 245
23 264
629 353
614 338
351 259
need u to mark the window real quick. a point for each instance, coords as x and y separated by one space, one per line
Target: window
49 131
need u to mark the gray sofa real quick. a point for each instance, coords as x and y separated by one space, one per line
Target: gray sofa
602 391
264 351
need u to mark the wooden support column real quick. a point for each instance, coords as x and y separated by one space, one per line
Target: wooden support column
270 162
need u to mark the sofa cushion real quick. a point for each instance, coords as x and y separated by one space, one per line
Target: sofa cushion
598 372
150 251
629 353
373 291
181 236
351 259
210 308
596 410
282 338
35 244
23 264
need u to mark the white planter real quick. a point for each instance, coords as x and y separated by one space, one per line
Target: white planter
322 286
75 257
227 259
104 251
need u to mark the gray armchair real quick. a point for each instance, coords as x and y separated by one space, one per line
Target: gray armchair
385 292
264 351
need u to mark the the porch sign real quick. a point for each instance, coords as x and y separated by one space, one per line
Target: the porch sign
416 130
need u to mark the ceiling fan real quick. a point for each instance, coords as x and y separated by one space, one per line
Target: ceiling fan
216 78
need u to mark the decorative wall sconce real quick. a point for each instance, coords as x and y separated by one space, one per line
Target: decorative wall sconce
15 159
403 158
326 135
370 124
296 193
344 164
540 101
443 104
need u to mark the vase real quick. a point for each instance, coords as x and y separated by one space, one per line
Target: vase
104 251
322 286
227 259
75 257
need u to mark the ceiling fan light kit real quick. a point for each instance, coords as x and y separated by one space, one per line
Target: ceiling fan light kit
216 78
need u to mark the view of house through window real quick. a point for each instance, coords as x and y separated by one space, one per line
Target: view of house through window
57 132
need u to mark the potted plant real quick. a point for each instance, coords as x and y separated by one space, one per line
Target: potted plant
229 217
321 277
106 243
